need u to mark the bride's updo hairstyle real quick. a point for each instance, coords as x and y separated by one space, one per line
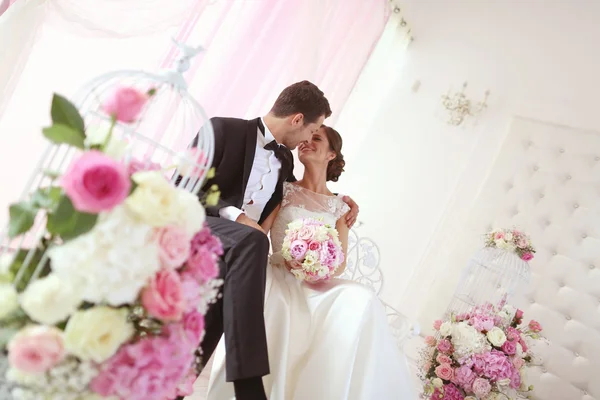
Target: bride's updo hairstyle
335 166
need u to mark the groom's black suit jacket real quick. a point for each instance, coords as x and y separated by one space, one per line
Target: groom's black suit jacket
235 147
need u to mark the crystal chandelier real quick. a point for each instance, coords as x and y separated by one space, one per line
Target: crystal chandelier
459 106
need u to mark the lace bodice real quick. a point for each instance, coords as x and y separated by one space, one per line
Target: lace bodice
303 203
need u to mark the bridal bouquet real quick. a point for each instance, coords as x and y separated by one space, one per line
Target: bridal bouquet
110 302
481 354
312 249
511 240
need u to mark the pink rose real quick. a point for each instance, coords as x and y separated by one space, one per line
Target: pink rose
174 246
499 235
513 334
444 371
314 245
443 359
96 182
522 243
481 387
193 325
205 251
445 346
430 341
125 104
527 256
36 349
163 298
298 249
136 165
437 323
518 362
509 347
535 326
519 314
306 233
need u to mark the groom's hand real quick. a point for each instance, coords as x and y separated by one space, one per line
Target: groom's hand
353 213
243 219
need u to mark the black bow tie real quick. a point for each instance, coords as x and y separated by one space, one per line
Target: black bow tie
272 146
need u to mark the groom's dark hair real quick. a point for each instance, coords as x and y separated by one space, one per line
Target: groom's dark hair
302 98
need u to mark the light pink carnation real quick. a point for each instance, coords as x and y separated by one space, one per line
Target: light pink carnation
95 182
125 104
174 246
163 298
36 349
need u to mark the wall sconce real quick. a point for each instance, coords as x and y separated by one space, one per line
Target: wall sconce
459 106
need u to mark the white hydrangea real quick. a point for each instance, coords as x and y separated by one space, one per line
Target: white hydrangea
467 340
112 262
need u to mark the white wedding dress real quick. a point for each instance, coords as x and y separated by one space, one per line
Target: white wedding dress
329 341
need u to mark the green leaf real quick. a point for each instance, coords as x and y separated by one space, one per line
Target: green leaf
63 112
22 215
134 185
47 197
51 174
33 261
69 223
62 134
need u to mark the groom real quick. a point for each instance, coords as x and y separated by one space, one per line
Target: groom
252 160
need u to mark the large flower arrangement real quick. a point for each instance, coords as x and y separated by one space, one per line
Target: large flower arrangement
125 271
511 240
481 354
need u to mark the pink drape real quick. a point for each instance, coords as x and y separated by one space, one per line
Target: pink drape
4 4
256 48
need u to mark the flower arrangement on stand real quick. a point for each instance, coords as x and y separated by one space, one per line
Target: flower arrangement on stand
110 301
511 240
481 354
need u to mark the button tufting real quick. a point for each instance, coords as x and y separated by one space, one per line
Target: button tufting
544 370
592 266
542 195
562 150
568 318
576 354
535 168
575 205
597 158
554 253
569 177
584 236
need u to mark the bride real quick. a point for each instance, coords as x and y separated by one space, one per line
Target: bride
330 340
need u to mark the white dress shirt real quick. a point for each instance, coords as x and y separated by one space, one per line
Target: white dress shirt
261 183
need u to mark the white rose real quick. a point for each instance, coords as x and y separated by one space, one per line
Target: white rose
112 262
508 237
310 258
321 233
470 398
295 225
437 382
496 337
50 300
97 333
446 329
510 310
154 201
9 300
191 212
96 136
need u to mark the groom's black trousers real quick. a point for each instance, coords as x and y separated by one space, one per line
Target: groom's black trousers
239 312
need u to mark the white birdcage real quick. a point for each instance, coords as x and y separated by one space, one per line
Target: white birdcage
492 276
160 136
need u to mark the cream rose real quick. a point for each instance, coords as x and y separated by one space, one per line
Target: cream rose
154 201
446 329
96 136
50 300
191 214
496 336
437 382
97 333
310 258
9 300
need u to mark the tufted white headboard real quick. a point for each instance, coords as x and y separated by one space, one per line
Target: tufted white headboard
546 181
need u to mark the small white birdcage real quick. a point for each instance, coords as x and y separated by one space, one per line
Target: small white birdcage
158 138
492 276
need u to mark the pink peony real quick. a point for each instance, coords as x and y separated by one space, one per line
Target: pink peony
125 104
151 368
306 233
95 182
437 323
482 323
451 392
314 245
443 359
464 377
445 346
444 371
193 326
330 254
174 246
203 263
481 387
298 249
163 298
527 256
535 326
509 347
36 349
430 341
